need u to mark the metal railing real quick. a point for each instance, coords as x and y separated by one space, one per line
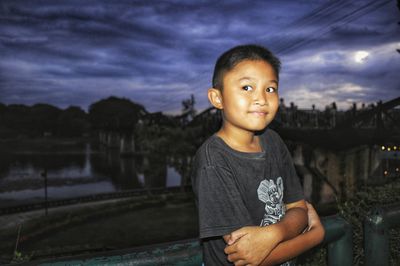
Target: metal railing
376 233
338 238
339 241
92 198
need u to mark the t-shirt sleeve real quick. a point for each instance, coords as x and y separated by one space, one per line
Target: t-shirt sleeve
220 205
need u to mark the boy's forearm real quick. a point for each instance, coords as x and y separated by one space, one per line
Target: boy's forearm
242 242
292 224
294 247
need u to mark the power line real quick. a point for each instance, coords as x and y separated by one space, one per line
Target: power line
308 20
326 9
341 21
330 6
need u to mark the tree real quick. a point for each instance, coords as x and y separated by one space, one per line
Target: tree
188 111
72 122
44 118
115 114
16 119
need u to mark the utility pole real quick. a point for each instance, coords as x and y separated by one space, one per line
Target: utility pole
44 175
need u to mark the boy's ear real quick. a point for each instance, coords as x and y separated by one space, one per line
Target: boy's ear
215 98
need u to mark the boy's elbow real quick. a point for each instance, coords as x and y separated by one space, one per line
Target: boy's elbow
321 234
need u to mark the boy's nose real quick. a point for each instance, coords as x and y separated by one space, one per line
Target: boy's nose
260 98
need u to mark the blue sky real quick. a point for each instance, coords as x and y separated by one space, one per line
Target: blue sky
158 53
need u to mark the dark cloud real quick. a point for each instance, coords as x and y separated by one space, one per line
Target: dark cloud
159 52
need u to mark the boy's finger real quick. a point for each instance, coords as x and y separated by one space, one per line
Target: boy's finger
230 249
226 238
241 263
232 240
235 235
234 257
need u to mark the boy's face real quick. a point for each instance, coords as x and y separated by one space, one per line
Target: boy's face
249 98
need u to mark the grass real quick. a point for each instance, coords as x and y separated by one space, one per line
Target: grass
118 225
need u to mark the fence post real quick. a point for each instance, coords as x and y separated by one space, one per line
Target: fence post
376 233
339 241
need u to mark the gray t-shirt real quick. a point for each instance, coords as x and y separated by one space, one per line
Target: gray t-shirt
235 189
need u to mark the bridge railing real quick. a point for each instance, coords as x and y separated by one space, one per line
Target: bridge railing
338 238
339 241
93 198
377 227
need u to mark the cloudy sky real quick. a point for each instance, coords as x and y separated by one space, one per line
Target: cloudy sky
158 53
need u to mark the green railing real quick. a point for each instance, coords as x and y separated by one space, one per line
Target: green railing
339 241
188 252
376 233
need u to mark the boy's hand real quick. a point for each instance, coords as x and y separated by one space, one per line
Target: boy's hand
250 245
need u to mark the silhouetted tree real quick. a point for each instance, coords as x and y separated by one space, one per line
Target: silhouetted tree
115 114
188 110
44 118
16 119
4 131
72 122
188 104
3 108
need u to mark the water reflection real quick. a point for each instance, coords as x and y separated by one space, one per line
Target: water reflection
83 171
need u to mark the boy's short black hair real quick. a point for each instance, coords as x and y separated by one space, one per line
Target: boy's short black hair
228 60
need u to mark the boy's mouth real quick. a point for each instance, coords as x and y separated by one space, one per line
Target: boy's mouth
259 113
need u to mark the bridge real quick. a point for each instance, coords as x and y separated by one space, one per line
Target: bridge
377 124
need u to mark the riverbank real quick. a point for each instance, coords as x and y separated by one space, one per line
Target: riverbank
42 144
99 226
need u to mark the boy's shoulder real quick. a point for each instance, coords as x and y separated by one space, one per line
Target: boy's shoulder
273 142
208 152
270 136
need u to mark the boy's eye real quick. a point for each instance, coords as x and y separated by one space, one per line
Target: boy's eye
247 88
271 89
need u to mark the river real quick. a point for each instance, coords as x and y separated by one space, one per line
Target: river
75 170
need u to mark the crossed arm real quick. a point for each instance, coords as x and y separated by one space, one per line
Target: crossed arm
276 243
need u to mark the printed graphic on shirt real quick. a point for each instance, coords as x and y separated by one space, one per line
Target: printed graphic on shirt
272 195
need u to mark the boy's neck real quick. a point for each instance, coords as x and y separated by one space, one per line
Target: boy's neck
243 141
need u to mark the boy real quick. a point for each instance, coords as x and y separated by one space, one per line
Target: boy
250 202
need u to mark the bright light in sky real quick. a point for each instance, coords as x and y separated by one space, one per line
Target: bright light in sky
361 56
